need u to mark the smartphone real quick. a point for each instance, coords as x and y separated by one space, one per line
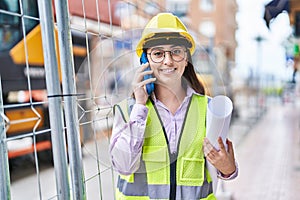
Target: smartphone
149 86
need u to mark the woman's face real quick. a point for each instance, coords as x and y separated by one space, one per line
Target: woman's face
168 63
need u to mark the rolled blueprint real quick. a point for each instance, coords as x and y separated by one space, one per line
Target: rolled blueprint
218 117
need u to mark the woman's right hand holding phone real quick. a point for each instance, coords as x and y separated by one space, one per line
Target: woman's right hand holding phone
139 84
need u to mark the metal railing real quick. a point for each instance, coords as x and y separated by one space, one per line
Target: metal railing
80 122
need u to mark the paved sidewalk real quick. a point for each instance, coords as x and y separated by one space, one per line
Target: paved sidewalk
269 156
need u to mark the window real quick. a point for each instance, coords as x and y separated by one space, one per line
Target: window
207 28
178 7
206 5
10 23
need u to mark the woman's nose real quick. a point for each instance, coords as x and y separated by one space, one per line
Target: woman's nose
168 58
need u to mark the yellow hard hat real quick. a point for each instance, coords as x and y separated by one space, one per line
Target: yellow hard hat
165 26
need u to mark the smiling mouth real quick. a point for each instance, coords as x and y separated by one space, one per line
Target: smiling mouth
168 70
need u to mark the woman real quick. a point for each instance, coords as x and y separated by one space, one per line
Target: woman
158 142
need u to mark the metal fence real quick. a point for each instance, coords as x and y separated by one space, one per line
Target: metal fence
72 63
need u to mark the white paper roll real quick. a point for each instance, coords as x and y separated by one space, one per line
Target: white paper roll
218 119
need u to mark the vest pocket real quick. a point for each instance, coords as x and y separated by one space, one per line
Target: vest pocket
191 171
157 164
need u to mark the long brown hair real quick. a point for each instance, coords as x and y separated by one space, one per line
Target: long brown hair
190 76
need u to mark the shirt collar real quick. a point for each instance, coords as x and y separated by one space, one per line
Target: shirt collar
189 92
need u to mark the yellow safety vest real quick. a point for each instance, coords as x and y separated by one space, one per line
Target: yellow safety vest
162 174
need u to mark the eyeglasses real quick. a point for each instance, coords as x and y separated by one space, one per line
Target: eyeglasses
158 55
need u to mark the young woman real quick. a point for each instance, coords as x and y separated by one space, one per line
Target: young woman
158 143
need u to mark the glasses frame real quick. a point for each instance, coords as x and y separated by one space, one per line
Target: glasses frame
164 54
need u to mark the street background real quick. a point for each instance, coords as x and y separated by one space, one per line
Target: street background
237 55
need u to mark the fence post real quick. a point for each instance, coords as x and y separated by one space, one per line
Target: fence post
4 167
70 103
54 100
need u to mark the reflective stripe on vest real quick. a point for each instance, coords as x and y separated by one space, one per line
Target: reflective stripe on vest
192 178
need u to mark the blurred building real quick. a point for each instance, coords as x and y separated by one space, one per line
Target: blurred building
295 16
215 23
215 20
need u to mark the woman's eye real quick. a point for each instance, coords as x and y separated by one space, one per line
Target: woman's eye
158 53
176 51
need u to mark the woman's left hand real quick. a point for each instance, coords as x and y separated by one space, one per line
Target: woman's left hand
221 159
